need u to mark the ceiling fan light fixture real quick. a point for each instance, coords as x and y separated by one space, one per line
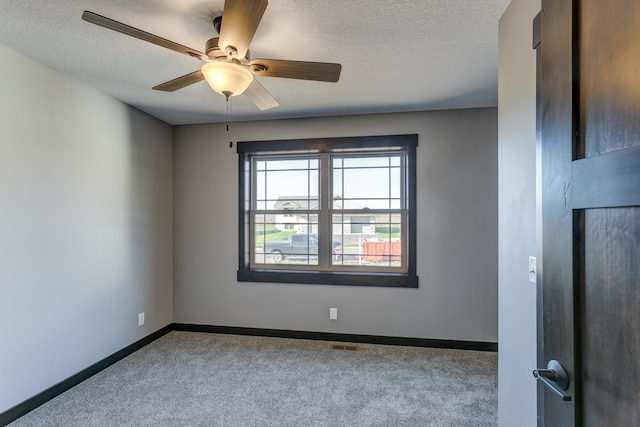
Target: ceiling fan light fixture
227 77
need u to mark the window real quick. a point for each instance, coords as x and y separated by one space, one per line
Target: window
331 211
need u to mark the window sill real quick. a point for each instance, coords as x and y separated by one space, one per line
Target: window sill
389 280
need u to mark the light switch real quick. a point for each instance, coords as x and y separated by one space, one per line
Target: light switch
532 269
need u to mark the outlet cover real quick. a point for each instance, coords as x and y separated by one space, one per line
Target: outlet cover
333 313
140 319
533 269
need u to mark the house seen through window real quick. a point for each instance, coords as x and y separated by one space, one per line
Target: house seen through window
337 211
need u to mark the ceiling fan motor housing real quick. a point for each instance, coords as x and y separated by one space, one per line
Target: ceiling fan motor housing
212 50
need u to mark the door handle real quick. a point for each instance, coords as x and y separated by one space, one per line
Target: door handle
555 378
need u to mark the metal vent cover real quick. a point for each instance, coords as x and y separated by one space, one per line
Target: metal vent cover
344 347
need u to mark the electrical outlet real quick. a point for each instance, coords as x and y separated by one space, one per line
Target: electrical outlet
333 313
532 270
141 319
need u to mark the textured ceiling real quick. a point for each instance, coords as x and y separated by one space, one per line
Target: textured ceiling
396 55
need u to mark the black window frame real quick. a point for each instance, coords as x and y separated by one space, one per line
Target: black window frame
247 149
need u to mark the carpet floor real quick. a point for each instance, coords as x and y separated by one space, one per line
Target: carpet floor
201 379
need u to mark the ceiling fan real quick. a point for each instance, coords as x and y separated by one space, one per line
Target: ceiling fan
228 68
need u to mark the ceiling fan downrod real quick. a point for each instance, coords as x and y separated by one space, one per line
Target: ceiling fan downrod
217 22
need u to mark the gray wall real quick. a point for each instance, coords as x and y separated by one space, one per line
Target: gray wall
517 215
85 226
457 233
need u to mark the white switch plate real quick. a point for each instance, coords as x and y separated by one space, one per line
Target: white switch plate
140 319
333 313
532 269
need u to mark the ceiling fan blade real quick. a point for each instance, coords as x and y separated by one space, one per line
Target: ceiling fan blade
105 22
240 20
260 96
319 71
180 82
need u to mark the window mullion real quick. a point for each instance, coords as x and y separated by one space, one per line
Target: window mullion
324 217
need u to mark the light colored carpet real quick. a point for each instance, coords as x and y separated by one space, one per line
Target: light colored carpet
200 379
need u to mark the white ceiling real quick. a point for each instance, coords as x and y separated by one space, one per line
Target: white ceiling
396 55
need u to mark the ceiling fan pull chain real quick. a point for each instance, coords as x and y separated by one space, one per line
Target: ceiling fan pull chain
229 112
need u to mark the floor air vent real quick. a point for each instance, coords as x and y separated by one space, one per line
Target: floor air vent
344 347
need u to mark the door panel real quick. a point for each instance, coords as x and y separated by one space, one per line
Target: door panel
589 293
609 50
610 316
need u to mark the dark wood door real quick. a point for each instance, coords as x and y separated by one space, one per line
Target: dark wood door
589 270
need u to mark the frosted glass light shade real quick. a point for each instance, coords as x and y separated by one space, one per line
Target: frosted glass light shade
227 77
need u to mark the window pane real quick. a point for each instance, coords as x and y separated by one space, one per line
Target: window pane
369 241
366 183
364 204
395 182
286 239
382 252
352 162
293 203
290 183
389 231
261 189
297 164
287 185
314 183
337 184
369 253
